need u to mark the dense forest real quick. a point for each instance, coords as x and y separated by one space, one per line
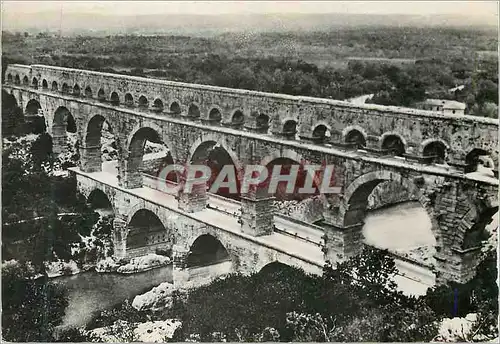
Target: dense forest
400 66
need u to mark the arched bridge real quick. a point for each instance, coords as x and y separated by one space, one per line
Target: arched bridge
429 154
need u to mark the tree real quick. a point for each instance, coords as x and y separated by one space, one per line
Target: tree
30 308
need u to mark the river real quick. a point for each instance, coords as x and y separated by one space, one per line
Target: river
91 292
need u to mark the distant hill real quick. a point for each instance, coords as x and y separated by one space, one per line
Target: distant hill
78 23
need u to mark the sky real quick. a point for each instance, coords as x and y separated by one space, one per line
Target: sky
476 8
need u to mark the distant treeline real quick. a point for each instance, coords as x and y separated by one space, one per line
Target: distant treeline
285 62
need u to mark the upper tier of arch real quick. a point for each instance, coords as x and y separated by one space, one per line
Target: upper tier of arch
77 74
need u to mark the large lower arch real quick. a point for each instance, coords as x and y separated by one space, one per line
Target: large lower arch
99 201
147 135
216 154
287 159
357 193
147 234
375 230
206 250
63 123
99 145
34 116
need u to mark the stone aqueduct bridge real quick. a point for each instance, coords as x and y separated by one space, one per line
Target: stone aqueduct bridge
255 128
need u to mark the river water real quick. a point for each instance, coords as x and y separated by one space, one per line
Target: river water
403 226
91 292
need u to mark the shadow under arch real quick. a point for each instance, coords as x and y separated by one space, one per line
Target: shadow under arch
63 127
148 153
393 143
289 159
206 249
35 117
146 234
99 201
12 115
435 150
354 135
275 267
473 158
215 153
98 132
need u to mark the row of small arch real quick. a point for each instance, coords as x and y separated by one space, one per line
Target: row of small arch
214 116
393 143
352 136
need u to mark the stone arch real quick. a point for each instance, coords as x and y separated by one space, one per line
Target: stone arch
194 111
76 90
258 122
435 148
158 105
472 159
268 265
32 107
159 130
290 155
354 135
65 88
262 122
237 118
92 141
175 107
136 143
286 153
17 80
215 153
63 123
128 100
88 92
353 207
393 142
101 95
352 210
212 138
147 233
26 81
321 132
37 120
143 102
34 83
54 86
206 249
289 127
215 114
10 78
114 98
98 199
45 85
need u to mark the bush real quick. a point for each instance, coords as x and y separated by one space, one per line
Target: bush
302 307
31 309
